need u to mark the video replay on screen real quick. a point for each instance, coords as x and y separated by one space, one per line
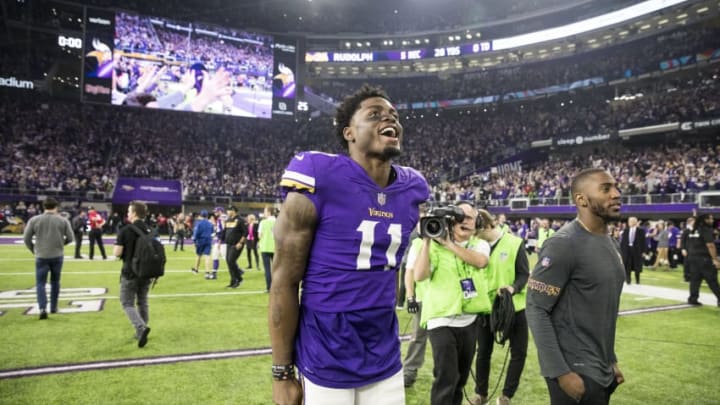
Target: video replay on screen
160 63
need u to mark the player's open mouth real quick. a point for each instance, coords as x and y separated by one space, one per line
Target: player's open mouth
389 132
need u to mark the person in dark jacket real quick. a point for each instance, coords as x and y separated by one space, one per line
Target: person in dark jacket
632 245
235 235
133 290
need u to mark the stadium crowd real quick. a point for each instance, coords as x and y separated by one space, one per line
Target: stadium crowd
59 146
617 62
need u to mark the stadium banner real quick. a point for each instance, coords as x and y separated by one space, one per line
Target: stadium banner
580 140
677 62
98 60
699 125
149 191
710 54
511 164
466 49
579 84
284 77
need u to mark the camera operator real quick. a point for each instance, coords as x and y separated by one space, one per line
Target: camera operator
507 272
451 259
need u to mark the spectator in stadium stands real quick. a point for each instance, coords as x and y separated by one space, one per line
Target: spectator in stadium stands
51 232
574 297
702 258
79 223
632 245
266 242
507 274
251 241
96 232
346 253
133 289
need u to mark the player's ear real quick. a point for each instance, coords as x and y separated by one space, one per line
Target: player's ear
580 200
348 134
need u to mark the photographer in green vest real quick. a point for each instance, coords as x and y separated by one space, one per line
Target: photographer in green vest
451 259
507 273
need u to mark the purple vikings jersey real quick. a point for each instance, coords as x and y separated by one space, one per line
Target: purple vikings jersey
348 331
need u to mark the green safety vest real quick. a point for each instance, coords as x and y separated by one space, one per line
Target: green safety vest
501 268
543 235
443 295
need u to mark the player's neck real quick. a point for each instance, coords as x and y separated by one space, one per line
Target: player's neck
592 223
380 171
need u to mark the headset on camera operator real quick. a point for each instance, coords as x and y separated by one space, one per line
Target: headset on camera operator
451 258
507 273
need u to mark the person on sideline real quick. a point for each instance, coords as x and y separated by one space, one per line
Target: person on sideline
51 232
202 237
134 290
455 294
266 243
235 234
574 297
507 272
342 230
702 258
632 245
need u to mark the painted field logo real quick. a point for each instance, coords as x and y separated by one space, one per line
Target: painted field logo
80 300
14 82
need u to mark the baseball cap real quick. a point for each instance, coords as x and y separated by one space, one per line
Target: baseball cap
232 208
204 213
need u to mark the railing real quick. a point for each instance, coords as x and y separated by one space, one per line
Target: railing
521 203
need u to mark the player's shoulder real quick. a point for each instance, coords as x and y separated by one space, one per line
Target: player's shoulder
305 167
411 177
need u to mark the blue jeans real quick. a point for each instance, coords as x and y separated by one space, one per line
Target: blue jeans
42 268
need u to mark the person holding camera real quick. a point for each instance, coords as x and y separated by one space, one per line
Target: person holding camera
508 272
450 259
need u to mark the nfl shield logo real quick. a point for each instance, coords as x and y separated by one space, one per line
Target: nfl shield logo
545 261
381 198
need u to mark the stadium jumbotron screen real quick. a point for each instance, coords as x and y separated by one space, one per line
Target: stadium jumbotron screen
150 62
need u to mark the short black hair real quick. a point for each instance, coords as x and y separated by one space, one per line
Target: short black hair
350 105
50 203
580 178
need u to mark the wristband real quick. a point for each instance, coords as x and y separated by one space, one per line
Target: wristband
282 373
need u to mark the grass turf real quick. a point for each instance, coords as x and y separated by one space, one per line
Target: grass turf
667 357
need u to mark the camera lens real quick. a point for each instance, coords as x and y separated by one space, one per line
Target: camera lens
433 228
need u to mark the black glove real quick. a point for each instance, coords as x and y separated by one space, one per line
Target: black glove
413 306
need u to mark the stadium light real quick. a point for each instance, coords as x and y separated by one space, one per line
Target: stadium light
587 25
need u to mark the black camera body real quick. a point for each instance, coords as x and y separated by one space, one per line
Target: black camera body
439 221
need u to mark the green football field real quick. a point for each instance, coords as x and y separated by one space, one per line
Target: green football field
210 344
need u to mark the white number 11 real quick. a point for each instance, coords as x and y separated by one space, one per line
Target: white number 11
367 228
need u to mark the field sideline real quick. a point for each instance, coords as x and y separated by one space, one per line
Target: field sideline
210 344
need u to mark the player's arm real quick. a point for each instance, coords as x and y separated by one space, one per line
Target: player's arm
421 269
293 233
475 257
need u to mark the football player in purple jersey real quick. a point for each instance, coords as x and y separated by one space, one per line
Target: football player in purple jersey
340 236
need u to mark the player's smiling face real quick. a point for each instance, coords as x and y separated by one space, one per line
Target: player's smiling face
375 127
